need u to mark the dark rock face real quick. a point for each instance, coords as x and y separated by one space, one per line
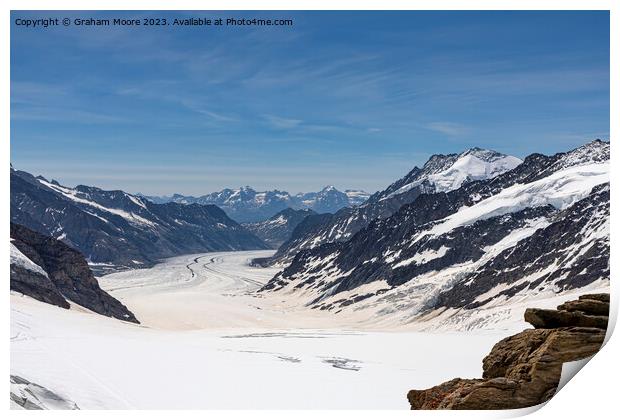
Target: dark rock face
119 229
68 275
278 229
36 285
520 371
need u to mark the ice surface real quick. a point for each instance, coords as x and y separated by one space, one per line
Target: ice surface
100 362
208 341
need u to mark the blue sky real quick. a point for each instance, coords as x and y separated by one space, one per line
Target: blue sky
352 99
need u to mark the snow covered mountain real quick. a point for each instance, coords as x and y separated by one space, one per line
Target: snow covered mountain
116 229
278 228
540 228
441 173
246 205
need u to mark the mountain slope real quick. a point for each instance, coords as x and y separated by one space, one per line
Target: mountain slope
278 228
52 272
441 173
543 226
118 229
246 205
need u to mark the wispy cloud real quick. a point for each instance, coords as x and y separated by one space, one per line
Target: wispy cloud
448 128
215 115
414 83
281 122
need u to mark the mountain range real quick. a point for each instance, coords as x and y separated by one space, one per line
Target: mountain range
535 228
441 173
115 230
466 231
246 205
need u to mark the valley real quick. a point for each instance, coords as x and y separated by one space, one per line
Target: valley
424 267
208 340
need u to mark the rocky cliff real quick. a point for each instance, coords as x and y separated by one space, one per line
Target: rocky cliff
524 370
48 270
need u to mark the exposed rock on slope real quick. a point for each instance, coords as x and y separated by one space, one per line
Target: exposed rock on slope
26 395
278 228
119 229
524 370
50 271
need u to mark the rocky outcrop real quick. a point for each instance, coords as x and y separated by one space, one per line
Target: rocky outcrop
58 274
545 318
27 395
524 370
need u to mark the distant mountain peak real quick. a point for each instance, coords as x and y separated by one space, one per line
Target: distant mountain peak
246 205
486 155
443 173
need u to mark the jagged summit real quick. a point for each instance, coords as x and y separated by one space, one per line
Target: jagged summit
247 205
443 173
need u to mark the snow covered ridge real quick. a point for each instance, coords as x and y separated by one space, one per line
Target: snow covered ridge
83 197
441 173
528 232
561 189
114 229
246 205
446 173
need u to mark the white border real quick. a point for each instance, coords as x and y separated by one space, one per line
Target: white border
592 395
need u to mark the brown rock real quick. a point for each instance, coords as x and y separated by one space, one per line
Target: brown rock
601 297
522 370
587 306
549 318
